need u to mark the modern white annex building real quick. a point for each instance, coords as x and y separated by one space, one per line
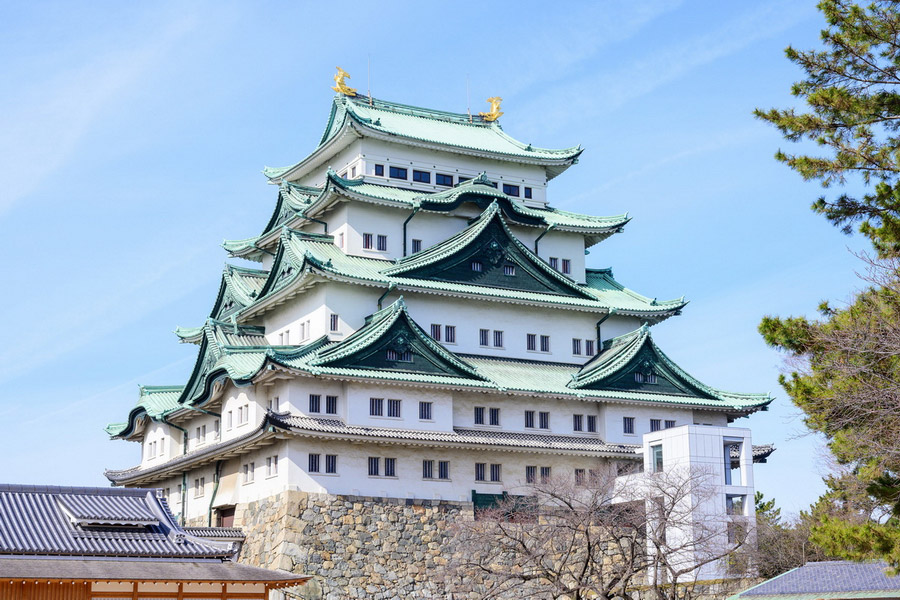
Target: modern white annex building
420 323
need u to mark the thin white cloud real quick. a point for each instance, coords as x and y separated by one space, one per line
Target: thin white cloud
569 37
604 91
42 125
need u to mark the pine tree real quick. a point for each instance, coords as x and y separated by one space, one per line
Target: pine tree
847 375
852 89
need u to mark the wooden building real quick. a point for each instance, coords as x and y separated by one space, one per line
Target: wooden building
66 543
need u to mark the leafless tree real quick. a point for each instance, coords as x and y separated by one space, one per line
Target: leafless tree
603 538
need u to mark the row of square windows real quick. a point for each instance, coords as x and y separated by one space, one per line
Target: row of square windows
248 474
440 469
445 180
655 424
531 342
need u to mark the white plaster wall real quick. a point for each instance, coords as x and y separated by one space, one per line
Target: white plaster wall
307 306
342 162
512 413
358 395
715 419
559 244
617 325
378 152
469 316
353 478
613 417
433 228
376 219
233 398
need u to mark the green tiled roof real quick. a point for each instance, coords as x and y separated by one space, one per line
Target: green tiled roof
449 131
475 190
621 358
394 322
240 353
301 256
154 402
600 283
489 240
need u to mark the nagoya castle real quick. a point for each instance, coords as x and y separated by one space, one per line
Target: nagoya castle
413 334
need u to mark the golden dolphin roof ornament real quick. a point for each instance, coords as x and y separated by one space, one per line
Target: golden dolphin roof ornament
340 86
495 109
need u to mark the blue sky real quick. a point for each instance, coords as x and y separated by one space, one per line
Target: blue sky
132 137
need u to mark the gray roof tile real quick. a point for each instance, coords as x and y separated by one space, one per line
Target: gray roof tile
33 522
828 577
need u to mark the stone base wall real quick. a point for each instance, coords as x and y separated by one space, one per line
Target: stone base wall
354 547
362 547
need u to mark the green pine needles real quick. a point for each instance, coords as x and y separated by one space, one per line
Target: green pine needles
852 89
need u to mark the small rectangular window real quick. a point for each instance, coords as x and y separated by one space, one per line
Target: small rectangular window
530 474
376 407
352 172
498 339
577 422
495 472
249 472
331 463
315 403
416 246
333 322
579 477
554 263
398 173
545 474
544 419
331 405
628 425
589 347
461 179
444 469
374 466
393 408
656 458
367 241
484 336
576 346
511 190
670 424
341 240
229 420
655 424
271 466
199 487
379 170
314 463
450 334
545 343
592 423
427 469
528 193
479 415
477 266
495 416
390 467
382 243
421 176
566 266
479 471
509 270
529 419
436 332
445 180
530 341
425 411
274 405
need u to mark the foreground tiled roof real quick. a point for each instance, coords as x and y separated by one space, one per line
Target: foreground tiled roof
39 520
829 580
